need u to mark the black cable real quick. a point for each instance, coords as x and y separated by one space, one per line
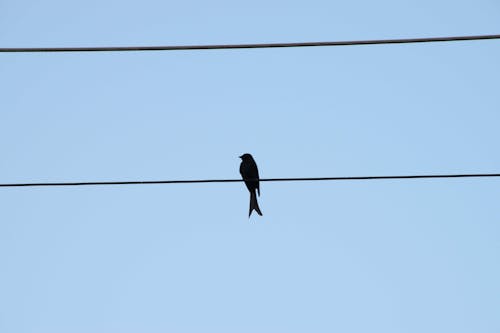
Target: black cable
472 175
246 46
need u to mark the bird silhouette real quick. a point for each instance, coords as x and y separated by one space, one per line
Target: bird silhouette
250 174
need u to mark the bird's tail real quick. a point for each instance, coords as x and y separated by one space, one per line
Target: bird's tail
254 205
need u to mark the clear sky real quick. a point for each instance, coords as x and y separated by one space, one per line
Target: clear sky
369 256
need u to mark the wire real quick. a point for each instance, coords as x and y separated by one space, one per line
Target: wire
246 46
472 175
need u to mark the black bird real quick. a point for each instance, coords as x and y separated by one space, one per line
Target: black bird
250 174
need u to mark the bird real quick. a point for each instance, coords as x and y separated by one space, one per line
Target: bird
250 174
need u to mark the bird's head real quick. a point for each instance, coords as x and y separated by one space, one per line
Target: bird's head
246 157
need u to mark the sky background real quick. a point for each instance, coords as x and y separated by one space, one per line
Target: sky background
367 256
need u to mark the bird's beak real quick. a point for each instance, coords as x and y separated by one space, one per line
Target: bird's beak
241 156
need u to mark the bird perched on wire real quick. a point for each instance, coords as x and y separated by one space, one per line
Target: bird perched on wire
250 174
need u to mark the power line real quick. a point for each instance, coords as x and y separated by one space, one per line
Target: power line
149 182
246 46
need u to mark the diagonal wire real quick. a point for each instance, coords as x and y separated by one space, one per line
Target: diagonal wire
247 46
149 182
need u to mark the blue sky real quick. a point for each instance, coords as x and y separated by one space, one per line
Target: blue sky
381 256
